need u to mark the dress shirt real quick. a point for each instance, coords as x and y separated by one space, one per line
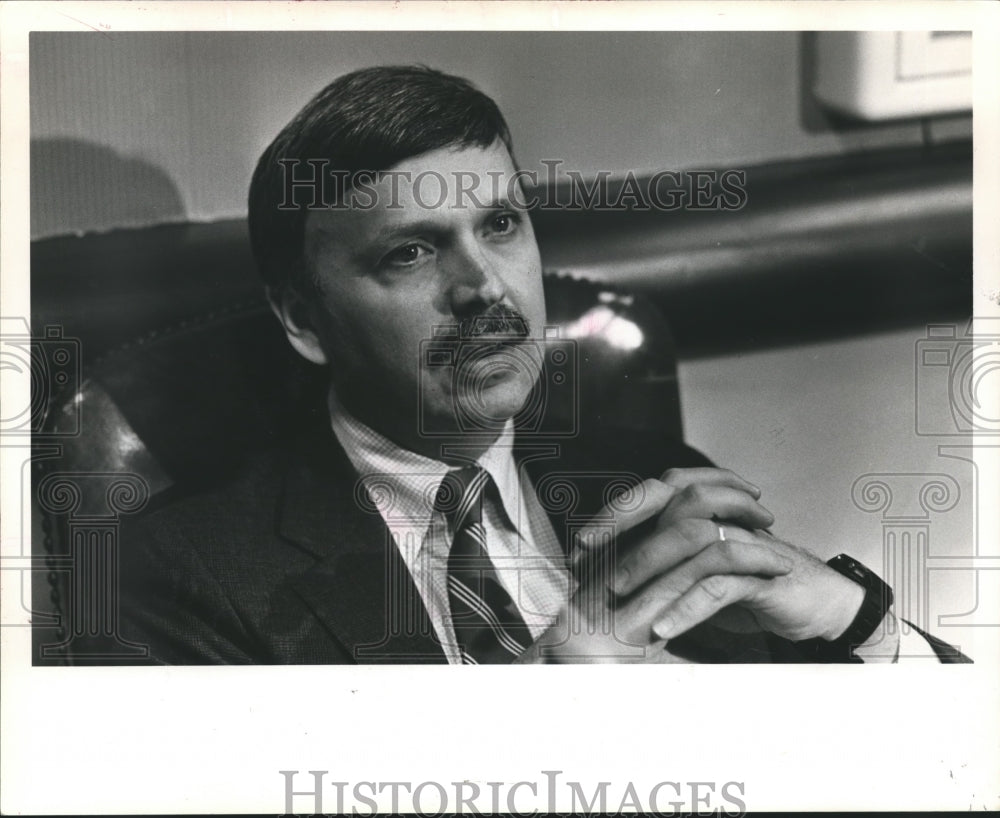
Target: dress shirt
520 540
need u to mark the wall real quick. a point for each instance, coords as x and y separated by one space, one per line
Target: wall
135 128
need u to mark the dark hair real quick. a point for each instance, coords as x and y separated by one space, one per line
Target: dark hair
365 121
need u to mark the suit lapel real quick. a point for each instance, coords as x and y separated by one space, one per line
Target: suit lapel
360 588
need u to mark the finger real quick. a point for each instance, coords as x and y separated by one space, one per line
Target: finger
732 557
705 599
718 503
721 559
682 478
645 500
650 497
667 548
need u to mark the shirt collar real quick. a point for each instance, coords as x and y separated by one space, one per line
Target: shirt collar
403 484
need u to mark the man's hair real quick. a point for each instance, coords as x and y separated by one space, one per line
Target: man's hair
363 122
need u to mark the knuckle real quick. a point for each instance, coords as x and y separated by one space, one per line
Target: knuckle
686 608
694 492
634 563
727 551
673 478
715 588
695 530
656 491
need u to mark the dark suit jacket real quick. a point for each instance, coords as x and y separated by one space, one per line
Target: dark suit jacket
291 563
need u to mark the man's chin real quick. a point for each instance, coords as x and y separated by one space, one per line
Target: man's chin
499 396
496 399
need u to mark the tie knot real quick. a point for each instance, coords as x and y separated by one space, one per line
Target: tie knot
459 493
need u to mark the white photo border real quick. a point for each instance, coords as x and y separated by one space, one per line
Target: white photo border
213 739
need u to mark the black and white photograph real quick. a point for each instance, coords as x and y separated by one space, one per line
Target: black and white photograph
345 344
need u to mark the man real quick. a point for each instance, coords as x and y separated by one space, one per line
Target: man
371 540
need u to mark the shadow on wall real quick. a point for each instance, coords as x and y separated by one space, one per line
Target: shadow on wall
78 185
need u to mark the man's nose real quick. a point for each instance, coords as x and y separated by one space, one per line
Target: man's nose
474 278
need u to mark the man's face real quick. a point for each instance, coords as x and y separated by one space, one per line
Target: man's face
442 245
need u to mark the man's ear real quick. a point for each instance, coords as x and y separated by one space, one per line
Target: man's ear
295 315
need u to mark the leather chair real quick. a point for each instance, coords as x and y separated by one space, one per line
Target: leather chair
184 372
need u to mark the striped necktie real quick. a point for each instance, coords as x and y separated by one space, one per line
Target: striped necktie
487 623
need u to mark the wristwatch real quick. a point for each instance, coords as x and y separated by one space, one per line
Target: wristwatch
874 607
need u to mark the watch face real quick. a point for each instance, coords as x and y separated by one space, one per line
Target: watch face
856 571
878 599
849 567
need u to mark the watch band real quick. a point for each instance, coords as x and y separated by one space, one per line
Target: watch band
875 605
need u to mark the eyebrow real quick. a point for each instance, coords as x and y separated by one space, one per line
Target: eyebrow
432 226
389 233
502 203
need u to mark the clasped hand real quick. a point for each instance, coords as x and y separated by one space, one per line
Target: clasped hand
694 546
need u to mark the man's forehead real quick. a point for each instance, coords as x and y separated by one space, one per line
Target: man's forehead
451 177
454 159
435 186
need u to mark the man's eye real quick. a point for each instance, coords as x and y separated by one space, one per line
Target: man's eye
405 256
504 223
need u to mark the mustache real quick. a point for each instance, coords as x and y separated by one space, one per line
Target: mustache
497 319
